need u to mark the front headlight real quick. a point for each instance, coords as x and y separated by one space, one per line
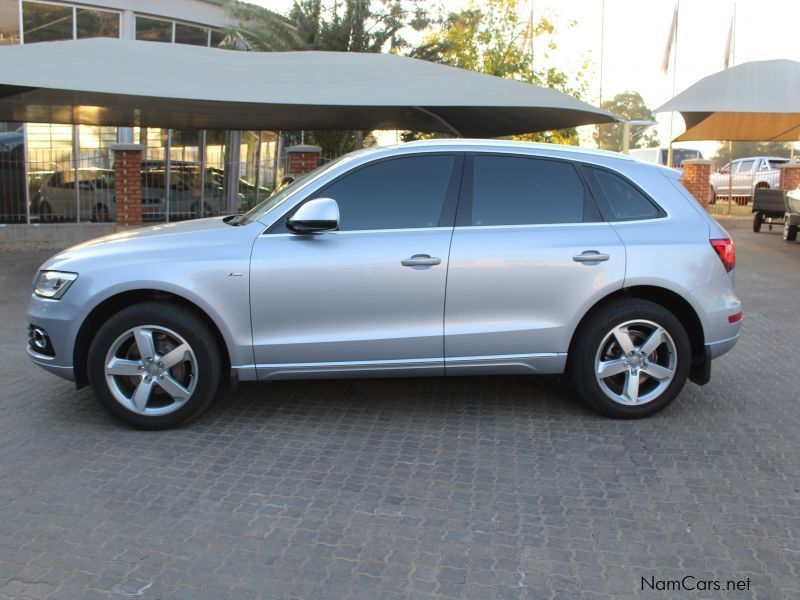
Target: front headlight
53 284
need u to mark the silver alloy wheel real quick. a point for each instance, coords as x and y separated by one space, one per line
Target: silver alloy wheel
151 370
636 362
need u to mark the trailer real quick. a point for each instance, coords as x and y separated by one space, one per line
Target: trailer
769 206
791 220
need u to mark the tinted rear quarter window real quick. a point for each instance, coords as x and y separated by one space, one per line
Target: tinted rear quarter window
511 190
622 200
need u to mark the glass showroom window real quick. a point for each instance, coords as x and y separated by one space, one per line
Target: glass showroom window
46 22
12 165
9 22
42 22
219 39
51 173
153 30
91 23
189 34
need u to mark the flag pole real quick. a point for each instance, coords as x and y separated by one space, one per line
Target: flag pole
674 69
602 48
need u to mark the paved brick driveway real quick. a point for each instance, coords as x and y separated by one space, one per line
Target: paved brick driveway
478 488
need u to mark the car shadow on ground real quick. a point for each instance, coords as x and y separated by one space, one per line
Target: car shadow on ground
419 397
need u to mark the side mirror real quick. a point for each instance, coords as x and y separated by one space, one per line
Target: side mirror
315 216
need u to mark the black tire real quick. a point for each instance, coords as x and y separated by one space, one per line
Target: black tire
789 232
185 323
587 344
758 221
713 196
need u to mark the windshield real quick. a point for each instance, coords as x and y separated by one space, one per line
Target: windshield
280 195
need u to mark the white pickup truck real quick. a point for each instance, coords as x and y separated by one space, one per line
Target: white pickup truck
745 175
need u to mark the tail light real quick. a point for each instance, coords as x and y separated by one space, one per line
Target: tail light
726 253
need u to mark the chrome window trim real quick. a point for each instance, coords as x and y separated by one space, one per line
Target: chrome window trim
532 225
374 155
360 231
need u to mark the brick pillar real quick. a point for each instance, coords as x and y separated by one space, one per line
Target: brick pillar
302 159
789 176
128 183
695 179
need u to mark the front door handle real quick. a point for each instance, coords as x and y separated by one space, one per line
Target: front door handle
421 260
588 256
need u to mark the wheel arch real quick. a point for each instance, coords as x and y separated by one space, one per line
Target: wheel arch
122 300
678 306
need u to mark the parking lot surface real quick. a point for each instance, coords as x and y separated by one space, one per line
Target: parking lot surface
465 487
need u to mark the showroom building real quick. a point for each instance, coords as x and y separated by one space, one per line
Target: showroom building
64 173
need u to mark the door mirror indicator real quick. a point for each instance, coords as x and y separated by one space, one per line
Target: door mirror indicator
315 216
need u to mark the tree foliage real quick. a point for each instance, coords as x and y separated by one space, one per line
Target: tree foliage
334 25
338 25
745 149
494 38
631 106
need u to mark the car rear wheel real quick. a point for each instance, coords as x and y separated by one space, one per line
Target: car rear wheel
154 365
630 359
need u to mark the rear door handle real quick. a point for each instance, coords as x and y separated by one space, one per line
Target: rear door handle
590 256
421 260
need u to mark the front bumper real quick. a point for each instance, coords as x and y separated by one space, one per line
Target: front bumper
48 364
60 320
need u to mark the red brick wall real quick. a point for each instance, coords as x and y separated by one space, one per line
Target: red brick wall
695 178
303 162
128 186
789 176
302 159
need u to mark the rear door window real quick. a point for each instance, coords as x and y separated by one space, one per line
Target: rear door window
514 190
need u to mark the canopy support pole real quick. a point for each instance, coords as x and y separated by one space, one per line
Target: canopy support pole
452 129
730 176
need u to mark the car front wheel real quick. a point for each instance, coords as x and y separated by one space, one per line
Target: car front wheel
630 359
154 365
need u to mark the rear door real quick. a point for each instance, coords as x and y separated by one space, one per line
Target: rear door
530 253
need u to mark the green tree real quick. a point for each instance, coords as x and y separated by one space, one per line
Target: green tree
493 38
745 149
631 106
334 25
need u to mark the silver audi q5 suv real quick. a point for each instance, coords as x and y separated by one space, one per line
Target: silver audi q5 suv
447 257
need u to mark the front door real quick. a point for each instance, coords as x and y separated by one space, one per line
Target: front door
529 254
369 298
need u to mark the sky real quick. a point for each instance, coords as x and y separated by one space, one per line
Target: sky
635 36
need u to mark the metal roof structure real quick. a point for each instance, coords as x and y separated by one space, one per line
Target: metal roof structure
150 84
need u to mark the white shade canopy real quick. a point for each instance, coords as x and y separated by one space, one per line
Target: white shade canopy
755 101
136 83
